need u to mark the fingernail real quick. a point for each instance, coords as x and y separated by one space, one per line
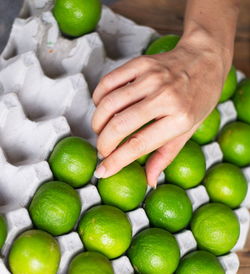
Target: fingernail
99 155
100 171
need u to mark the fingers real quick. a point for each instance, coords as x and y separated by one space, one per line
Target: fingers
144 141
122 98
121 76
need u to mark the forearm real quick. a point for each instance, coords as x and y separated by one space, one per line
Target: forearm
212 24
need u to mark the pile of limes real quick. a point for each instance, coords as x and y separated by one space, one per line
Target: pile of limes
105 229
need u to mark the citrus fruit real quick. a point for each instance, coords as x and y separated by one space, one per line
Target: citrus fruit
90 262
154 250
163 44
106 229
209 128
126 189
229 85
55 208
77 17
225 183
234 141
188 168
3 231
168 207
200 262
73 161
215 228
143 159
34 252
242 101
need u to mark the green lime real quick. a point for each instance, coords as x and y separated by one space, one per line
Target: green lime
226 183
234 141
200 262
188 168
90 263
215 228
34 252
3 231
143 159
154 250
169 207
229 85
242 101
77 17
106 229
209 128
163 44
55 208
126 189
73 161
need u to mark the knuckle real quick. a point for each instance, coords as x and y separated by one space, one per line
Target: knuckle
137 145
119 124
186 120
107 103
146 61
107 80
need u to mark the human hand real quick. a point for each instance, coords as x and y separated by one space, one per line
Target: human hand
176 90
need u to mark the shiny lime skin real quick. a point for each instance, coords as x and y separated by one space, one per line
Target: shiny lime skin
209 128
106 229
229 85
163 44
90 263
73 161
215 228
188 168
55 208
200 262
226 183
234 141
77 17
3 231
34 252
168 207
241 101
126 189
154 250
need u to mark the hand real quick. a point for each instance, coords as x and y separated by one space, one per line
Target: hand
175 90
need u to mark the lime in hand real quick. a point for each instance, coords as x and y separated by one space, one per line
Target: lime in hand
34 252
234 141
90 263
200 262
226 183
55 208
105 229
154 250
169 207
188 168
3 231
215 228
77 17
229 85
73 161
126 189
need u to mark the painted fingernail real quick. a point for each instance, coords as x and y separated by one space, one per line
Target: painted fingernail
100 171
99 155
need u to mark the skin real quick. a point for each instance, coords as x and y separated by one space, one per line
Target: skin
176 89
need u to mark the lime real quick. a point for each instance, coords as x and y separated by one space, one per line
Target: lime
234 141
225 183
163 44
215 228
34 252
126 189
154 250
242 101
73 161
188 168
143 159
55 208
3 231
200 262
77 17
229 85
169 207
106 229
209 128
90 263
